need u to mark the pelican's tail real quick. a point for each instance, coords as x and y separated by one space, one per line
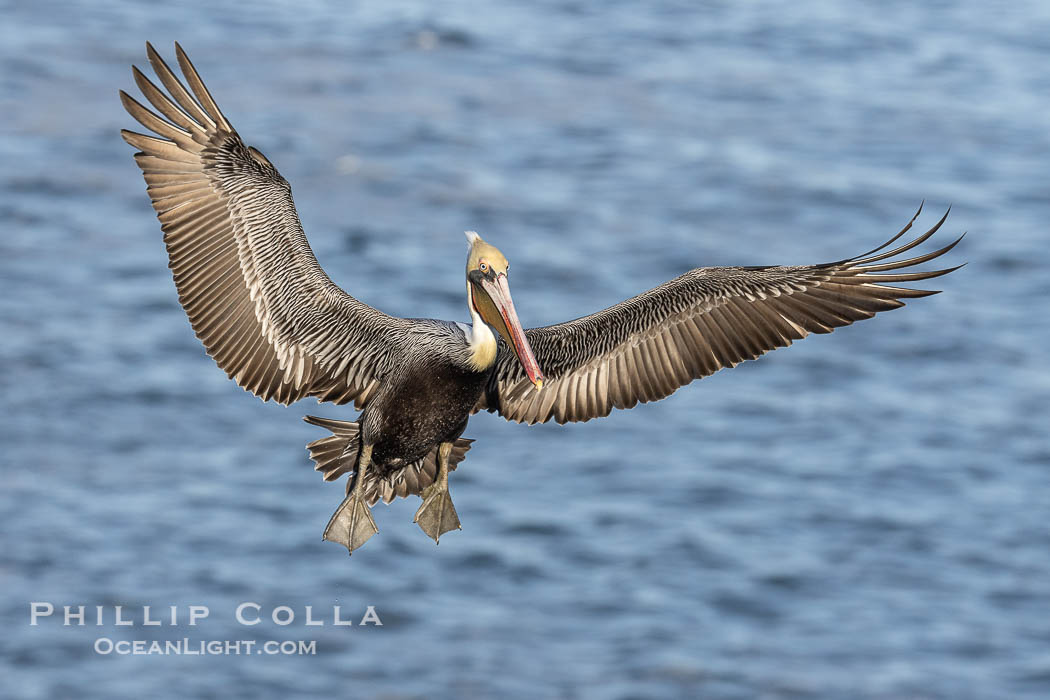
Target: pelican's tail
336 455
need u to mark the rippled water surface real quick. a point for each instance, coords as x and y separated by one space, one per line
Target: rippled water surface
861 515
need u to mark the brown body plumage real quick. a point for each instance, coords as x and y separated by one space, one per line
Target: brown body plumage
273 320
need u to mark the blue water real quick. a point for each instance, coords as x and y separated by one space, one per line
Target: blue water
862 515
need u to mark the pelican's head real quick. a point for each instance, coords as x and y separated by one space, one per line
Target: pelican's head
490 300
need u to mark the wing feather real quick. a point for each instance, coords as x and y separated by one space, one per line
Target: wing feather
251 287
643 349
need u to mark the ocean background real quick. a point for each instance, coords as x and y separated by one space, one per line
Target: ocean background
862 515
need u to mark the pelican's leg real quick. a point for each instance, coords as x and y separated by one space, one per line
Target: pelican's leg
437 515
352 523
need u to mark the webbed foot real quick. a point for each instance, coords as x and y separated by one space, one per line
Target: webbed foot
437 515
352 523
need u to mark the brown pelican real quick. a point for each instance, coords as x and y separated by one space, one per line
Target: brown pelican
273 320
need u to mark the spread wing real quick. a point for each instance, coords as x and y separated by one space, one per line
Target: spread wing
252 288
645 348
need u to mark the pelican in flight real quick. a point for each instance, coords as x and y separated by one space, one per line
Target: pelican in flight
278 326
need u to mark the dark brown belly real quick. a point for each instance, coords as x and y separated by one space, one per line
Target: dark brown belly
419 410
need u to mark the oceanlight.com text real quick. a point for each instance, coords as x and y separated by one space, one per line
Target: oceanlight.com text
214 647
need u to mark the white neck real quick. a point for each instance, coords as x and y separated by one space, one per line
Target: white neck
479 337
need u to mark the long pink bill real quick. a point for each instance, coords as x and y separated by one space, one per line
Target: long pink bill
499 292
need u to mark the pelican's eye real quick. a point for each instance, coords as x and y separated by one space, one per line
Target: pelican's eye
484 266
